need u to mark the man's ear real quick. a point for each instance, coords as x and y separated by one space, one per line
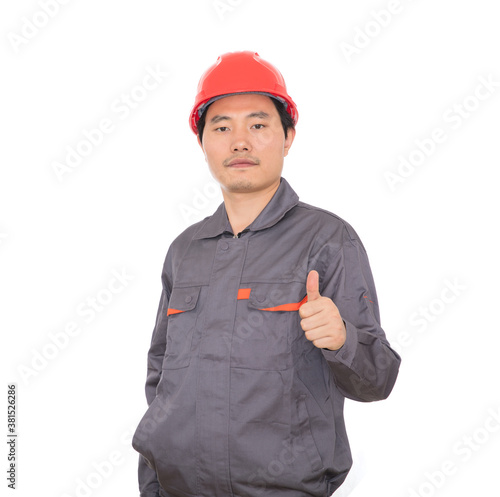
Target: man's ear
289 140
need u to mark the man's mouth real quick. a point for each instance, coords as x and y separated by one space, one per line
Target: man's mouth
240 163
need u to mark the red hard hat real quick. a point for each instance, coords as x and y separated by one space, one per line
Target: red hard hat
240 72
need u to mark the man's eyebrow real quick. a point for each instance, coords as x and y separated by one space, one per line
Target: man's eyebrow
218 118
260 114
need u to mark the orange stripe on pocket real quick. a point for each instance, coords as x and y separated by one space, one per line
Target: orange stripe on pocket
173 311
287 307
244 293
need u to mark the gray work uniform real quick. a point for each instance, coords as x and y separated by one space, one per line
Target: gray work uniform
240 402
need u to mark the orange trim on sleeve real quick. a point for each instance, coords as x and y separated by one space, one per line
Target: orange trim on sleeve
365 297
173 311
244 293
287 307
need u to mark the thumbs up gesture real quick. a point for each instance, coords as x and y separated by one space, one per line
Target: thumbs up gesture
320 318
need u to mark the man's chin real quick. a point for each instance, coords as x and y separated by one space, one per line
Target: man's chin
241 186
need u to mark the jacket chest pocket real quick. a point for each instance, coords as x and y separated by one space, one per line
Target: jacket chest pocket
181 324
266 325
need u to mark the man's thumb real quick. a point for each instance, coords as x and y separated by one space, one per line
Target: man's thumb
312 286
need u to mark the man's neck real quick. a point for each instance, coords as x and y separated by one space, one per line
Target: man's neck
243 208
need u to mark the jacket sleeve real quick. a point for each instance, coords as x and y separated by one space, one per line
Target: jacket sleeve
365 368
148 483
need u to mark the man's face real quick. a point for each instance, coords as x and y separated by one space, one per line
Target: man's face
244 143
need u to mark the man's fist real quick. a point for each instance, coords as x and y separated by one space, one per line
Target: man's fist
321 319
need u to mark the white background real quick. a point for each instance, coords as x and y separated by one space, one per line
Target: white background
62 237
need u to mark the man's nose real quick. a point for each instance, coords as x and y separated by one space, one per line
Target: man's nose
241 141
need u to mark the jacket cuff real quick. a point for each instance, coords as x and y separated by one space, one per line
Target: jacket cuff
346 353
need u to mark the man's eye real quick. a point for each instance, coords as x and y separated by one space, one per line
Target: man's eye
222 128
259 126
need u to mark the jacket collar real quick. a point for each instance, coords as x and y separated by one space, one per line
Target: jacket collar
282 201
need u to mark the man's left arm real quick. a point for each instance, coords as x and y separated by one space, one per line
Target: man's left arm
347 326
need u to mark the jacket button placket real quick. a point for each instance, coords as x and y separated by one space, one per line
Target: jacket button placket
212 390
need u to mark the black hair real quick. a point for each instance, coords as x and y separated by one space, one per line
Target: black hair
285 117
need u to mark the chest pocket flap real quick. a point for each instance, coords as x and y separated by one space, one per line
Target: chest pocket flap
183 299
277 296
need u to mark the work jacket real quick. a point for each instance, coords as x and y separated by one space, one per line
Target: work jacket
241 403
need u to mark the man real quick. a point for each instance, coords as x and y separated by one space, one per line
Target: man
268 317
